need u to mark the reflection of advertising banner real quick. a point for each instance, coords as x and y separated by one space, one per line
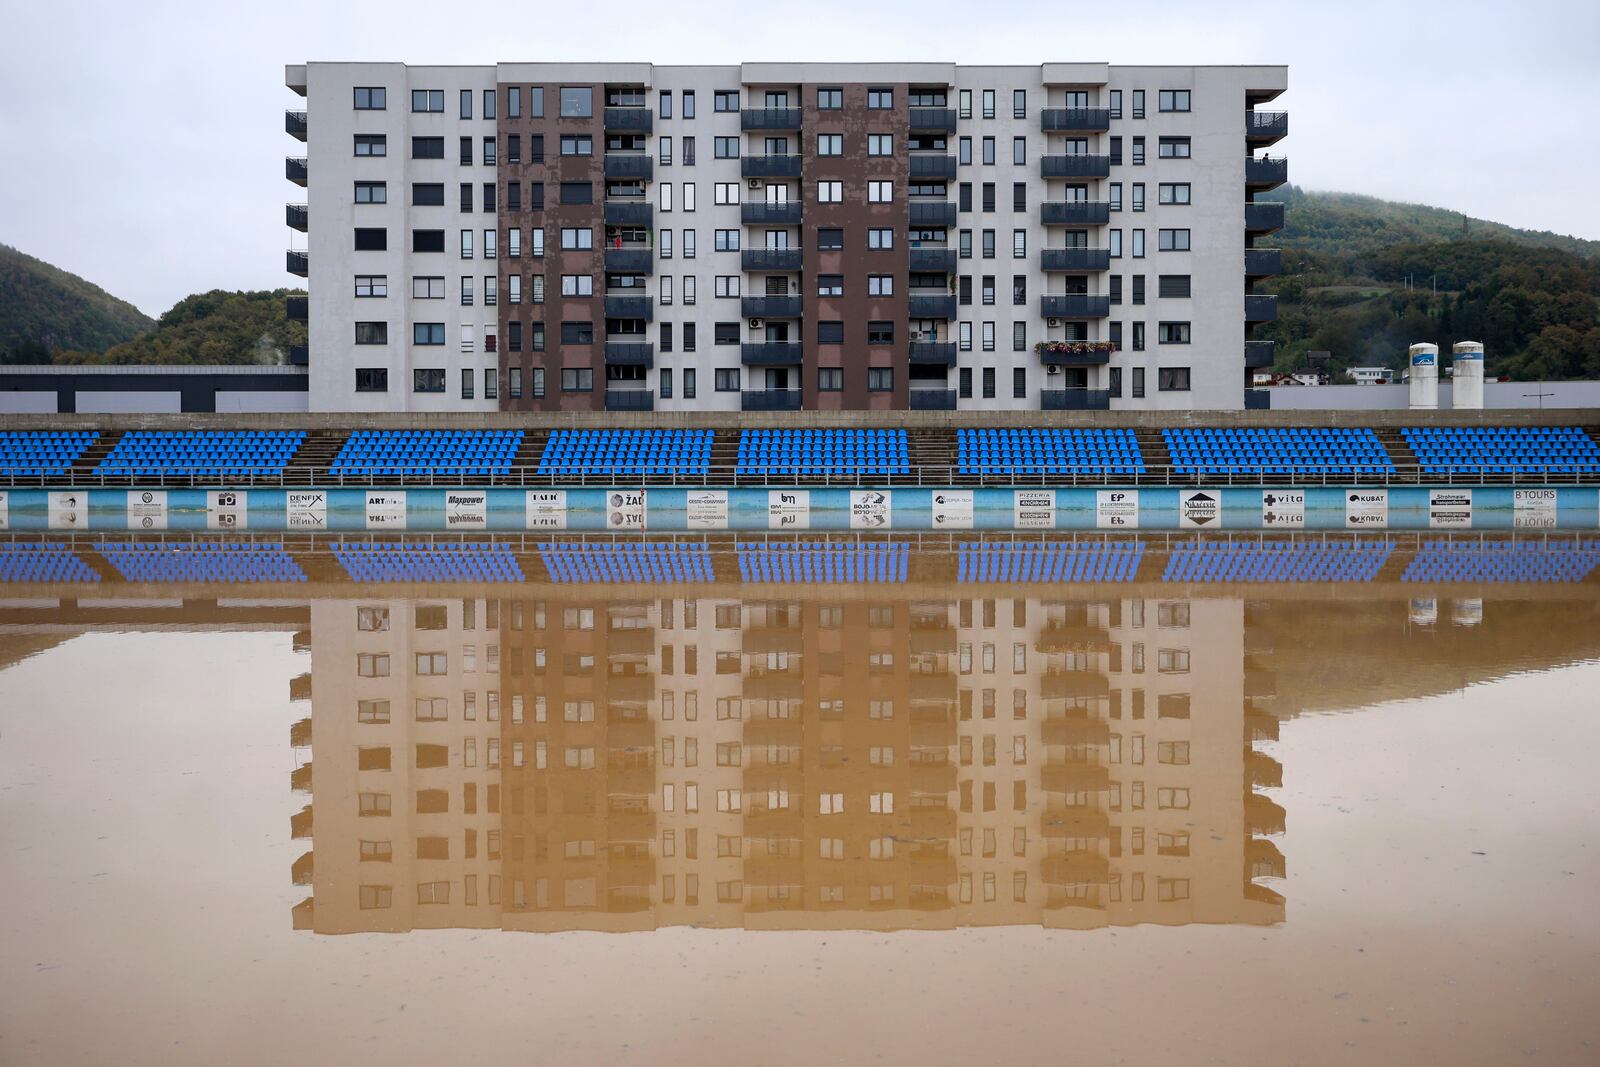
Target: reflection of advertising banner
952 509
546 509
1283 508
869 509
305 510
68 510
386 509
227 509
466 509
625 509
1034 509
706 509
147 509
1533 508
1199 508
1449 509
788 509
1364 508
5 510
1116 509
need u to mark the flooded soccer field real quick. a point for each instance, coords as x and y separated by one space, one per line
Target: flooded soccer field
779 800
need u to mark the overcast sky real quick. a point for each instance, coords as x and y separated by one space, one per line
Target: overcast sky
144 144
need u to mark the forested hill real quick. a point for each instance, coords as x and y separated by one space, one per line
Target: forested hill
43 308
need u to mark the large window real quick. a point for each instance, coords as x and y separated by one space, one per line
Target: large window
1173 99
427 100
372 380
1174 380
371 144
1172 240
1172 333
577 102
372 333
370 98
427 148
427 333
372 193
371 239
427 381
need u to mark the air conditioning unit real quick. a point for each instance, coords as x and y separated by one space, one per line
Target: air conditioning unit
1052 322
756 183
755 324
1052 369
916 335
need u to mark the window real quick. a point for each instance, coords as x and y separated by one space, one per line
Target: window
577 238
1019 385
880 144
372 333
1172 333
880 238
1173 100
830 379
1019 244
725 147
1174 380
830 192
988 383
465 151
1019 150
1138 244
725 193
964 104
1138 151
1173 193
727 380
1019 336
688 103
1173 148
665 189
964 151
1138 288
964 244
370 98
830 333
1116 104
427 381
830 285
830 239
988 151
427 333
372 193
429 194
725 333
1019 290
423 100
372 144
576 145
880 192
880 379
1138 196
1019 103
577 285
988 196
988 103
726 285
880 285
725 240
577 102
1172 240
988 244
513 104
880 99
880 333
1172 286
988 289
725 100
1138 346
577 333
1138 103
372 380
1019 196
577 380
664 104
1116 152
988 337
427 148
830 99
372 285
964 338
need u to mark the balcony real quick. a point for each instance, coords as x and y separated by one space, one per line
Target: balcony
769 118
294 124
932 166
932 399
630 400
770 307
1074 306
630 260
1075 119
770 259
1265 127
1257 400
295 309
299 356
769 400
630 165
630 119
933 353
1260 307
1075 166
770 166
630 354
771 354
1263 216
295 216
1075 212
1265 173
628 213
787 213
1258 354
1263 262
933 119
932 306
934 260
628 307
298 262
294 168
1077 260
932 213
1076 400
1075 353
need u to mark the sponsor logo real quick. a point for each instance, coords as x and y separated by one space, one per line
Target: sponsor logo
1198 508
1116 509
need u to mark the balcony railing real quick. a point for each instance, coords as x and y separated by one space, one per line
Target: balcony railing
932 213
294 124
299 356
1075 212
1258 354
934 119
630 260
630 165
1263 216
770 400
1263 262
1076 399
771 354
932 306
628 307
932 399
630 354
770 166
769 118
787 213
1074 306
770 259
298 262
630 400
940 260
1265 127
296 217
295 308
630 119
1080 260
1075 166
1075 119
934 353
1265 173
770 307
1067 355
925 165
1260 307
628 213
294 168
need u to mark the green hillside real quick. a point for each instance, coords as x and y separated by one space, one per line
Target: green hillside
43 308
218 327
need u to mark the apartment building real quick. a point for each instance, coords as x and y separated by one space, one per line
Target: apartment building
784 237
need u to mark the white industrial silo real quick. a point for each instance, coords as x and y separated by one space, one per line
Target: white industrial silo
1467 368
1424 377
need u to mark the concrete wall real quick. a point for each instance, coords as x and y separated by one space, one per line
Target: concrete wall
1496 395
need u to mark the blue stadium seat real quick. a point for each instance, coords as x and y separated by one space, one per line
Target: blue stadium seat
624 562
445 561
1503 561
822 562
1007 452
1277 452
626 452
1101 561
1504 450
201 453
43 453
217 561
26 561
450 453
1277 561
821 453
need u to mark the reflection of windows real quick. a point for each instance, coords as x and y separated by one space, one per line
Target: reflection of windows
728 662
432 617
878 803
580 758
372 620
1173 706
1172 797
729 753
372 711
376 896
376 852
1172 889
374 804
728 800
433 892
1174 614
1173 752
432 663
1173 844
1173 661
432 802
880 709
830 804
433 848
372 664
433 755
372 759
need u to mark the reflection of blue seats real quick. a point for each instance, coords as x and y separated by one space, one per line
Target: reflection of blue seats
453 453
445 561
573 452
1277 561
1049 452
1503 561
201 453
218 561
625 562
1101 561
818 453
1504 450
29 562
820 561
1284 452
26 453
